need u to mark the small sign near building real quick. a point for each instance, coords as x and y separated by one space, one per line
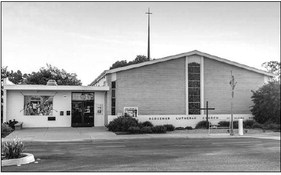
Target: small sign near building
131 111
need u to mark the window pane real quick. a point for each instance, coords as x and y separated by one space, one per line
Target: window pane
113 102
193 64
193 69
193 83
194 108
112 111
193 91
38 105
194 76
194 98
113 84
113 94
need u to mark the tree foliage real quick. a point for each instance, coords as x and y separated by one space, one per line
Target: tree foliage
274 68
15 77
122 63
266 106
42 76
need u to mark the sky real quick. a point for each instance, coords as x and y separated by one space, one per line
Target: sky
86 38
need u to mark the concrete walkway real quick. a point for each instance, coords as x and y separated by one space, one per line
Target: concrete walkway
101 133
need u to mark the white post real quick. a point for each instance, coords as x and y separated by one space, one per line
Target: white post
240 126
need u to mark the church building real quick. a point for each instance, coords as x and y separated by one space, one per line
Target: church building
170 90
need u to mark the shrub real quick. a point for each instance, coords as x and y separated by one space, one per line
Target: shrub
272 126
11 123
5 130
134 130
122 124
12 150
224 123
257 125
146 129
159 129
188 128
227 124
169 127
267 103
179 128
146 123
248 124
202 125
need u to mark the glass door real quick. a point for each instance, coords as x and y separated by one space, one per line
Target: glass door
82 109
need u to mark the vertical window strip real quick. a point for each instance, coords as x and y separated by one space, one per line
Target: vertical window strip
113 98
193 88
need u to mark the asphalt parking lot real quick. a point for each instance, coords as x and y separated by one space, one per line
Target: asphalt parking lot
155 154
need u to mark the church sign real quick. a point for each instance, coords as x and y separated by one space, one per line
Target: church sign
131 111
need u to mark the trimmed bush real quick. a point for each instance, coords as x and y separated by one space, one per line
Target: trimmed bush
256 125
122 124
272 126
248 124
188 128
5 130
224 123
146 123
146 129
202 125
179 128
11 123
159 129
227 124
169 127
134 130
12 150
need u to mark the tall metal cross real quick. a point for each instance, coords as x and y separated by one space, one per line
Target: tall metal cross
148 46
207 109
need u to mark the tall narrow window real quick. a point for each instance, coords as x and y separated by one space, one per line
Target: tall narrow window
194 88
113 98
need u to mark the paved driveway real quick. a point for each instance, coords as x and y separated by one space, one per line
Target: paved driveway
154 154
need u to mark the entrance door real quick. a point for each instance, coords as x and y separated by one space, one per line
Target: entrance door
82 109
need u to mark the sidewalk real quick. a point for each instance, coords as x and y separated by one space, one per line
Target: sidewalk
101 133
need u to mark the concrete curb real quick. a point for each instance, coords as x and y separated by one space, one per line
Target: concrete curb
29 158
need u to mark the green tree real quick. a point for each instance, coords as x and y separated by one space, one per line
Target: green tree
51 72
274 68
117 64
122 63
266 106
15 77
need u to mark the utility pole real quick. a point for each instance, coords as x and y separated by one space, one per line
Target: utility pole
232 84
148 46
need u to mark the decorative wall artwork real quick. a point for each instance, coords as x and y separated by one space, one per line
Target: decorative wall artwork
38 105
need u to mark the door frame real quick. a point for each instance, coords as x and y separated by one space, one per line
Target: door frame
83 124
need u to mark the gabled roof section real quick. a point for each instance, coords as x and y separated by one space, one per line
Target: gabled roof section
194 52
98 78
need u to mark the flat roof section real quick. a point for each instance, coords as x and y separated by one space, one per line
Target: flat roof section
56 88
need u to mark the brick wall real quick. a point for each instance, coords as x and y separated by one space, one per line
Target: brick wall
155 89
218 90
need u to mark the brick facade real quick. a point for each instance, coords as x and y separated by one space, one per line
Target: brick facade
217 89
159 89
155 89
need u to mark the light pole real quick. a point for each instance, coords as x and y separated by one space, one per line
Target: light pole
232 84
